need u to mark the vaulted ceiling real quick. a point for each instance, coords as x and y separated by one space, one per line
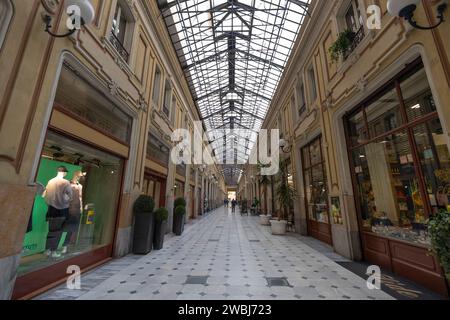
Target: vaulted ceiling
233 53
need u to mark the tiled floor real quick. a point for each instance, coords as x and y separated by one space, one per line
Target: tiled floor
225 256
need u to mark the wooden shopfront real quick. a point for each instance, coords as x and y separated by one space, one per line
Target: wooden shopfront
399 159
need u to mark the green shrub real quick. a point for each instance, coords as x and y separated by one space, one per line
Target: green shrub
180 210
439 230
161 214
144 204
179 202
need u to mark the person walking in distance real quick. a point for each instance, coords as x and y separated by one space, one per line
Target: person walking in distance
233 206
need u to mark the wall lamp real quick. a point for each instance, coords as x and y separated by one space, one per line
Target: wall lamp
285 146
405 9
80 12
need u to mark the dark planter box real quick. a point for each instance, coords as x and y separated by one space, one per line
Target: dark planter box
143 233
178 224
160 232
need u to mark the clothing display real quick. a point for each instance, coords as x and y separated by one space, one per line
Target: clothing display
58 193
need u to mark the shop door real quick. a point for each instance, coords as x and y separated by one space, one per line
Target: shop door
316 192
192 196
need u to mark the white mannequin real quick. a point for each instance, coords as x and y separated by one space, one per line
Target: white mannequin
58 195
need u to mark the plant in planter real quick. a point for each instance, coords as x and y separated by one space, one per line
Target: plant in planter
143 225
179 216
179 219
439 231
285 195
265 182
161 216
342 45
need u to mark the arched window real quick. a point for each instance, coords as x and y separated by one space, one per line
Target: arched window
6 12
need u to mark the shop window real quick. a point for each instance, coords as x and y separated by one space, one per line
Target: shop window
315 183
357 129
6 13
80 99
75 214
417 96
155 188
156 86
167 98
434 159
401 175
122 29
179 189
388 183
383 114
312 84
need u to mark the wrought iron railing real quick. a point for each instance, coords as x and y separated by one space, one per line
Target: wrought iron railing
119 46
357 38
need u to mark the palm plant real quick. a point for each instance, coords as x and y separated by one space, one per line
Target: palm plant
265 182
284 192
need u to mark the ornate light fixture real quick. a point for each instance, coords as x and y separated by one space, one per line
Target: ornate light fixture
405 9
285 146
81 12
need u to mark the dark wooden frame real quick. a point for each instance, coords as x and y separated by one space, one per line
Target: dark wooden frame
155 176
405 258
316 229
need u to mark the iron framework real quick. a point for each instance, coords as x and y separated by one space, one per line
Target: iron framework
233 53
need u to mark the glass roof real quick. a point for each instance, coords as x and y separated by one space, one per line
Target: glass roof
233 53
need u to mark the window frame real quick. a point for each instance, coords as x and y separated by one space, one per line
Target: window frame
126 45
313 92
408 126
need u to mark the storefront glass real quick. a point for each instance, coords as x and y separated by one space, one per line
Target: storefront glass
155 187
76 211
402 172
316 189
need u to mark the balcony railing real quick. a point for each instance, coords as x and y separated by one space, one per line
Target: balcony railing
357 38
119 46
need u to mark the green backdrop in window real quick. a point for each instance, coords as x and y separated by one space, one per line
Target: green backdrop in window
35 240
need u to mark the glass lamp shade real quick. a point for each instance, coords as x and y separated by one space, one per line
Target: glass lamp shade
87 11
396 6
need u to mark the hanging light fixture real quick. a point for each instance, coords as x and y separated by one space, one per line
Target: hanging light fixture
80 12
406 8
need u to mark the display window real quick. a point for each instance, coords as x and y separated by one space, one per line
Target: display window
155 187
73 213
402 168
316 191
179 189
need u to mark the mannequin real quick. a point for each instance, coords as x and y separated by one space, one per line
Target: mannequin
75 210
57 195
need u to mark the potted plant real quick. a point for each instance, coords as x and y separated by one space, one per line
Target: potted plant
341 46
161 216
285 195
439 231
264 218
179 216
143 224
